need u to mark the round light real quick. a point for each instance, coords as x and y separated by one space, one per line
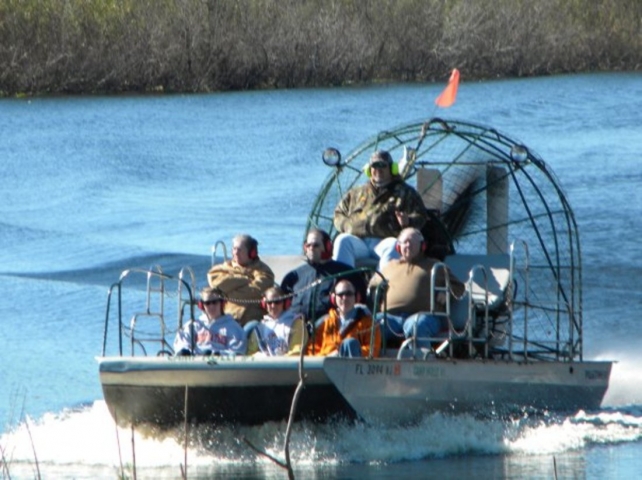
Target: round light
519 153
331 157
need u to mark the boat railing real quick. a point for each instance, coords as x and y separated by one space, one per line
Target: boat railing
214 250
529 345
379 298
536 348
154 310
435 292
477 319
470 317
189 302
485 323
140 332
526 290
462 320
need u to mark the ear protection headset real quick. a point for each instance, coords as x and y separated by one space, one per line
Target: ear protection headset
252 249
423 247
201 305
287 303
333 298
383 156
394 169
327 246
207 292
327 243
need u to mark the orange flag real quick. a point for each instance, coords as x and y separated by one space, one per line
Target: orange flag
447 97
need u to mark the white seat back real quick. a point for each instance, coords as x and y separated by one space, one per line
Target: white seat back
497 268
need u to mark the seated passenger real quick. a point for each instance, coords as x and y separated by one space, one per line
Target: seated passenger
347 328
408 292
243 279
314 301
280 331
371 216
214 332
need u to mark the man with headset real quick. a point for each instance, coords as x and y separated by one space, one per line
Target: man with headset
310 298
369 217
408 295
243 279
348 329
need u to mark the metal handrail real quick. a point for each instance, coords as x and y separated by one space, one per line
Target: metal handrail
214 249
117 287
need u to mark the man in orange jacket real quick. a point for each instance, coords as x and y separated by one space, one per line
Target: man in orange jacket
347 330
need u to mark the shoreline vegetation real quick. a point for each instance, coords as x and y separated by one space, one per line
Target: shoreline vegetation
50 47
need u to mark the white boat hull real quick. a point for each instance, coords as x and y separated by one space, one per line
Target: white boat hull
390 391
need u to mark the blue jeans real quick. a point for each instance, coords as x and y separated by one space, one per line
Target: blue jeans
393 333
421 325
350 347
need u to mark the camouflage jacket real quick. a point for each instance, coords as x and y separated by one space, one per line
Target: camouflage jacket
368 211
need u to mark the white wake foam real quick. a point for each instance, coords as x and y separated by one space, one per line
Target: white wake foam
85 443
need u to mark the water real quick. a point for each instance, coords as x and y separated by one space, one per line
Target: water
95 185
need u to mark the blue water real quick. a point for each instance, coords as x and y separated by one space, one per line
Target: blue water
91 186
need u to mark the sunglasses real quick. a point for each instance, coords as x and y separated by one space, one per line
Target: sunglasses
273 302
211 302
379 165
344 294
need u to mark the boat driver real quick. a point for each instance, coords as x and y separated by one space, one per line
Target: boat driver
371 216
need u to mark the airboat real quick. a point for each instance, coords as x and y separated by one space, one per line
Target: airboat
502 223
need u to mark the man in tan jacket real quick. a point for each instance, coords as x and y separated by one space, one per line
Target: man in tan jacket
243 279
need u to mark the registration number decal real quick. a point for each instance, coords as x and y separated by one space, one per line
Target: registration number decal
377 369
